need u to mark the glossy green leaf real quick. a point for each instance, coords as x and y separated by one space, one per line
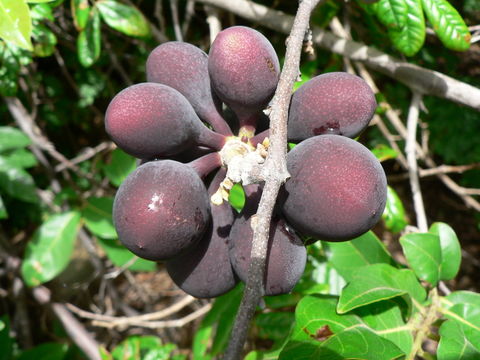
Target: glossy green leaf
21 158
80 11
392 13
124 18
274 325
120 256
386 318
45 351
346 257
454 344
16 182
98 217
383 152
468 317
236 197
48 252
6 342
41 12
44 41
358 342
212 335
394 213
378 282
12 138
451 250
463 297
410 38
424 255
89 40
143 348
448 24
15 23
119 167
3 210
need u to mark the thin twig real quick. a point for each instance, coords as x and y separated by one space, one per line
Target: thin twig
73 327
276 173
412 123
122 320
158 324
86 154
189 12
176 22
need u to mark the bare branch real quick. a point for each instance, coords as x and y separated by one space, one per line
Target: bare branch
425 81
412 123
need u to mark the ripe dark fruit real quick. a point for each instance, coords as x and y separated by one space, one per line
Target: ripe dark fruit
337 190
286 255
205 271
184 67
161 210
150 120
333 103
244 70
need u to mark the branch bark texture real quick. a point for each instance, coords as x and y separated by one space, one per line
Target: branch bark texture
419 79
275 174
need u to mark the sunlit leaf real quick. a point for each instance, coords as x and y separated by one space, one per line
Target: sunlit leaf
410 38
124 18
451 250
15 23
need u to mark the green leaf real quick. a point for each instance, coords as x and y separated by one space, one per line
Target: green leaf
358 342
11 59
451 250
3 210
16 182
274 325
49 251
392 13
15 23
41 12
120 166
120 256
45 351
463 297
386 318
383 152
98 217
394 213
143 348
6 342
378 282
44 41
38 1
12 138
236 198
124 18
424 255
215 327
21 158
410 38
454 344
89 40
448 24
347 257
80 11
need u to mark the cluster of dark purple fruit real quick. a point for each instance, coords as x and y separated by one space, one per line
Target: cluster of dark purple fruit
164 211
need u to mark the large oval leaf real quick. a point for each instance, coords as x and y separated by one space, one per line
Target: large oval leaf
49 251
392 13
123 18
89 40
12 138
98 217
15 23
16 182
410 38
451 250
424 255
447 24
